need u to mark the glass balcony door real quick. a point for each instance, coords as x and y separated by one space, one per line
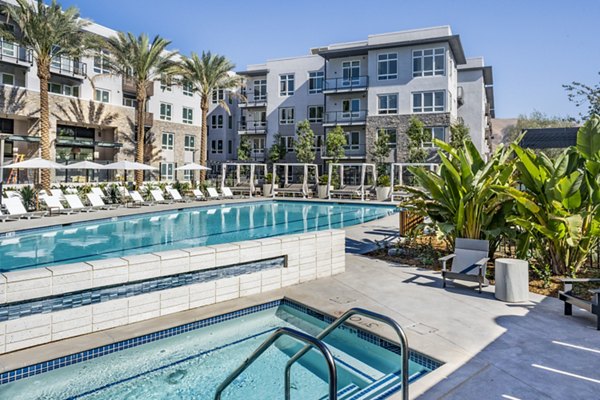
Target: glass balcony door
350 108
350 73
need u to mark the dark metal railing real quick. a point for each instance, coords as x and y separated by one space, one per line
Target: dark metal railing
346 84
345 117
256 127
15 53
68 66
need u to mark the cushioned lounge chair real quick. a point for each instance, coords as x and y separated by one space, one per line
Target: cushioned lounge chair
76 204
15 208
99 204
54 205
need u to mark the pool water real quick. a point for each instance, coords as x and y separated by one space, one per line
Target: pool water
177 229
191 365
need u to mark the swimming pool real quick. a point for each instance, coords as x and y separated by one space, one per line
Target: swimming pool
192 360
184 228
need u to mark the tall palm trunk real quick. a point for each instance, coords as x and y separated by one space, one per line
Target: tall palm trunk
140 134
204 137
43 73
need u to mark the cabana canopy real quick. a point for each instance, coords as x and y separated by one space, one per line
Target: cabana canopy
287 166
238 175
398 171
363 174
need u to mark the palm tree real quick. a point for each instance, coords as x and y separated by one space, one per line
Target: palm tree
207 73
50 32
137 59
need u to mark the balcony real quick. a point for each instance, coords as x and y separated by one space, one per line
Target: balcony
351 152
345 118
128 86
346 85
148 119
67 66
15 54
254 101
252 127
257 155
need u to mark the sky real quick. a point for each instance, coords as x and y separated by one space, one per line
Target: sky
534 46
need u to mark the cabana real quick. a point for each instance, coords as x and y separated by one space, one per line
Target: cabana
295 188
239 186
398 171
351 190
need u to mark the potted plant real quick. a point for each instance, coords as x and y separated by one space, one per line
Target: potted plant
322 189
384 187
28 197
268 185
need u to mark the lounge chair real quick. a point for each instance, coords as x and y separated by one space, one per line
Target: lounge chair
76 204
53 203
226 193
57 193
571 300
469 261
138 199
291 188
15 208
198 194
212 193
6 217
242 190
350 191
12 193
157 195
177 196
99 192
99 204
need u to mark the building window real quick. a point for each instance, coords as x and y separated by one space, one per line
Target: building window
229 122
165 111
315 114
387 66
429 62
315 82
165 84
129 101
260 89
392 134
437 132
188 88
63 89
101 63
189 143
351 73
350 108
166 171
102 95
229 146
216 121
387 103
258 146
352 141
425 102
188 115
216 147
217 96
288 143
167 141
286 85
188 175
286 115
8 79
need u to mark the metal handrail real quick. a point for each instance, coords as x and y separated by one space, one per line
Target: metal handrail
335 324
303 337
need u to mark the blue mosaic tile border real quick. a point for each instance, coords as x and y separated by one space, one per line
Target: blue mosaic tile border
47 366
72 300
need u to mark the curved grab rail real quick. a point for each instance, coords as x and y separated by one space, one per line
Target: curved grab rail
303 337
335 324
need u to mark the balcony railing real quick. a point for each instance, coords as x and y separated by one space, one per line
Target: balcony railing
148 119
341 85
350 151
252 127
128 86
254 100
67 66
15 54
345 117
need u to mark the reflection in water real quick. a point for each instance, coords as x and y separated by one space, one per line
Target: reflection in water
178 229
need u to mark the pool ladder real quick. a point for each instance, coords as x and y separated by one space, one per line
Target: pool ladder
317 342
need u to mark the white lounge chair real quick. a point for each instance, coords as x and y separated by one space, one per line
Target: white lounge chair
99 204
12 193
212 193
177 196
76 204
98 192
226 193
53 203
198 194
157 195
57 193
138 199
15 208
6 217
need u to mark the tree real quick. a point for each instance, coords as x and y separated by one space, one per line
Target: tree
141 61
244 150
459 132
381 152
582 94
335 142
277 151
207 73
417 135
50 32
304 146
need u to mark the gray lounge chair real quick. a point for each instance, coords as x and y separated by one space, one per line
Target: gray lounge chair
347 190
571 300
469 261
291 188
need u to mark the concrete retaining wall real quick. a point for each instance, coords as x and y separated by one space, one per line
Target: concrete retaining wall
309 256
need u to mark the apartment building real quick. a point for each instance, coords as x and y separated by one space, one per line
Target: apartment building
92 114
366 87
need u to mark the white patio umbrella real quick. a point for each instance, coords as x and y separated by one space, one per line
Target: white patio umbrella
192 167
129 166
35 163
84 165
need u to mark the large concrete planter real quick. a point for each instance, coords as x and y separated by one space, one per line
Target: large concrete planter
383 192
268 189
322 191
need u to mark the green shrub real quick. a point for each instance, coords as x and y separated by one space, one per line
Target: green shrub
384 181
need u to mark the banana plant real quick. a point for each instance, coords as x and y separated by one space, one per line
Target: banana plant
459 198
557 204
